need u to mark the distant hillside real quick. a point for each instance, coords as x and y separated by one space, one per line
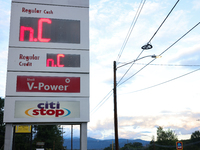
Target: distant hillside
96 144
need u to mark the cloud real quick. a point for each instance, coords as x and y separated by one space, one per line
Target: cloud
4 19
68 131
183 123
3 68
188 56
196 4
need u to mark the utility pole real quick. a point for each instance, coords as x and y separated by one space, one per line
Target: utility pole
148 46
62 139
115 107
71 137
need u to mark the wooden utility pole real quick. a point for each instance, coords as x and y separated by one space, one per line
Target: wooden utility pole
115 107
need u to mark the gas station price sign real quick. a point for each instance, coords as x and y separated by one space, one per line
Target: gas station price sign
63 60
48 59
49 30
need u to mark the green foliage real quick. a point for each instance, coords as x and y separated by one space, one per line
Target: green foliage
50 134
168 135
2 125
132 146
22 141
195 138
165 139
110 147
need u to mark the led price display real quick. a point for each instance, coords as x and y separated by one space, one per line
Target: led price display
49 30
63 60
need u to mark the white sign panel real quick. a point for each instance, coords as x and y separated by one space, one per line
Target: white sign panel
46 109
44 84
49 26
48 60
76 3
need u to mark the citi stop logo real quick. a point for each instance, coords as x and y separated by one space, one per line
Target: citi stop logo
48 109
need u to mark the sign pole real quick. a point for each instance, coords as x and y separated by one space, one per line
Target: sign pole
8 137
83 136
48 65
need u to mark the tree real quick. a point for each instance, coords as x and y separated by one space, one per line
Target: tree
132 146
22 141
166 139
112 146
137 145
195 138
152 144
168 135
2 125
50 134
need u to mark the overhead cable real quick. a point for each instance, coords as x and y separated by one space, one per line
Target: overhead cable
160 54
131 28
101 102
109 94
170 65
164 82
180 38
150 39
163 22
129 68
121 51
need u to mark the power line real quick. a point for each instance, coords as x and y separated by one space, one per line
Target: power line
180 38
161 53
105 99
101 102
131 28
163 22
150 39
121 51
129 68
165 81
170 65
136 72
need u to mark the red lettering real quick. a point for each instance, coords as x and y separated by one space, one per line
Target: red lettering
58 60
23 9
35 112
59 112
52 62
40 29
50 112
42 112
23 29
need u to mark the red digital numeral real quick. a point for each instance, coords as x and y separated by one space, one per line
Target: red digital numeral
40 29
52 62
41 21
31 33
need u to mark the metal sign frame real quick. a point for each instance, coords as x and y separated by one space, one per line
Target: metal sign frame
38 46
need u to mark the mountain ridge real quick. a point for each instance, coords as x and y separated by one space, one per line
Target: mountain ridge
97 144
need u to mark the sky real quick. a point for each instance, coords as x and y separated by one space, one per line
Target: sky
164 93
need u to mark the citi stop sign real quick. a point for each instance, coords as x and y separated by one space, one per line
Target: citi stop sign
179 145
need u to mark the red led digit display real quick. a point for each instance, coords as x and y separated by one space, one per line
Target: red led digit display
49 30
63 60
